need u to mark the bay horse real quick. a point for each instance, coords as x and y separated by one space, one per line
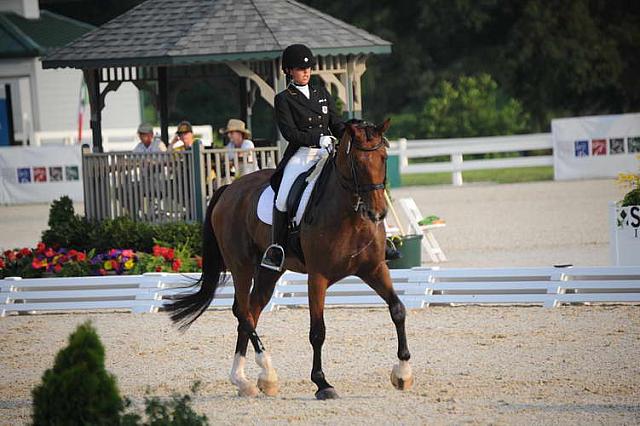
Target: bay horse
346 237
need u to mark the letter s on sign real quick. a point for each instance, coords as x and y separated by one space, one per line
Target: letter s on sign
635 214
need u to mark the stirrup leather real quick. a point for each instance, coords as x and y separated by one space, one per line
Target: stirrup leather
268 262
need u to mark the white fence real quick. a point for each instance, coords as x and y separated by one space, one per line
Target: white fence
112 139
456 148
417 288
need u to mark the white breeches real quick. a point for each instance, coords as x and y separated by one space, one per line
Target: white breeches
300 162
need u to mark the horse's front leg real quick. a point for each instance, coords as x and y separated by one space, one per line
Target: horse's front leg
380 280
318 285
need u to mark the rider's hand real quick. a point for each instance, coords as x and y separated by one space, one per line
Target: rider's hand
325 141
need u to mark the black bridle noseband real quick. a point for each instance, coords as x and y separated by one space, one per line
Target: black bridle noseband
354 184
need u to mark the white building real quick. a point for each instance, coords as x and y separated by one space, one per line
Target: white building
48 100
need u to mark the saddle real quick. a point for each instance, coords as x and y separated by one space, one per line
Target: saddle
301 202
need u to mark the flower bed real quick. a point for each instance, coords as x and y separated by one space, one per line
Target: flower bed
46 261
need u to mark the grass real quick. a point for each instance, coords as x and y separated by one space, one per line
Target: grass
510 175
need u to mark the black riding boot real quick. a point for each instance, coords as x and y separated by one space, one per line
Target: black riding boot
274 255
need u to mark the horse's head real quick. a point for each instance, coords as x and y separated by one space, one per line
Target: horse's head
361 161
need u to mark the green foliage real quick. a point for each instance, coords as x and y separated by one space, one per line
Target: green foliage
66 229
71 231
473 106
631 198
78 390
176 412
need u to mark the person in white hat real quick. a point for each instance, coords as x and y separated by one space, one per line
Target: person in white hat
239 139
148 143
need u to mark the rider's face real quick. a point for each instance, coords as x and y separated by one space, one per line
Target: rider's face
300 76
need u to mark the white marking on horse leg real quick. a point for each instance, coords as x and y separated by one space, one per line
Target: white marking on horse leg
267 379
401 375
238 378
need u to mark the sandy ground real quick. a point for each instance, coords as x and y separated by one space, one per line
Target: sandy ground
501 365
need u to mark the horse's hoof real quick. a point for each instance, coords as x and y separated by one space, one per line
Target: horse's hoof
268 387
401 377
247 389
327 393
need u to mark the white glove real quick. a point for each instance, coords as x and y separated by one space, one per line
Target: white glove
325 141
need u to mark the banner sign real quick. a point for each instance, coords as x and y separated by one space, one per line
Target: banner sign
40 174
595 147
625 236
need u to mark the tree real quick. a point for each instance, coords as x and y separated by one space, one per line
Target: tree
472 106
78 390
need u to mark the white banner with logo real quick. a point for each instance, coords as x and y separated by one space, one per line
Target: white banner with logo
40 174
625 235
595 147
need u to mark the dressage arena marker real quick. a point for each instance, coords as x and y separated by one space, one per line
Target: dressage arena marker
417 288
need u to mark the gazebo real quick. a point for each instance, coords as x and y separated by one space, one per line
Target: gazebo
160 42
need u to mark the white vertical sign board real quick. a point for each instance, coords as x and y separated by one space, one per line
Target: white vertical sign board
40 174
595 147
625 235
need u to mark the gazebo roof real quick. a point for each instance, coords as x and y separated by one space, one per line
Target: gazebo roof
174 32
26 38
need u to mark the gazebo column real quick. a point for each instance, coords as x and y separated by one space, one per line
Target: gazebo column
91 78
163 95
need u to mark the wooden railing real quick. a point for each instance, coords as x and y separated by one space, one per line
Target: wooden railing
163 187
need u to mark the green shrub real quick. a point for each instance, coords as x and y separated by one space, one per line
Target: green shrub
66 229
71 231
632 198
78 390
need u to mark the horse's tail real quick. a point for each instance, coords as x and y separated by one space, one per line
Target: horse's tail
185 309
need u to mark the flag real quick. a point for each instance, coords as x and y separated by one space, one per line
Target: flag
82 105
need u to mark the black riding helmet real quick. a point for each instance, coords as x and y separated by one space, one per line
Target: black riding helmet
297 56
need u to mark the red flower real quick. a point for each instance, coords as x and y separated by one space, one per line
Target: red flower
1 264
73 252
36 264
40 247
158 268
176 265
114 264
80 256
127 253
199 261
102 271
170 254
25 252
49 252
157 250
57 268
10 255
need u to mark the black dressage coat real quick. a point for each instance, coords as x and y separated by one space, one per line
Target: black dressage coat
302 121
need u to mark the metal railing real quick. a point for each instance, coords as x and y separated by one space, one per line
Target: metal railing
163 187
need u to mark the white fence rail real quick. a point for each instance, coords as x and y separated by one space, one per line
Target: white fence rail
417 288
112 139
457 148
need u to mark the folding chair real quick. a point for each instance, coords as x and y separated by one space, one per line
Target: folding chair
429 242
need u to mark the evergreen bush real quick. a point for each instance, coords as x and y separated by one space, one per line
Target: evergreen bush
78 390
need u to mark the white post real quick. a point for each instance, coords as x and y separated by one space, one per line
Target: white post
613 235
402 151
456 162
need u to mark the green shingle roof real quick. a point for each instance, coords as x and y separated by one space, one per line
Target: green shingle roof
166 32
21 37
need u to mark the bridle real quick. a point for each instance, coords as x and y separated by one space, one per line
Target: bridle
353 184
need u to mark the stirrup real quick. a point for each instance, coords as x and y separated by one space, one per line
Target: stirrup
268 263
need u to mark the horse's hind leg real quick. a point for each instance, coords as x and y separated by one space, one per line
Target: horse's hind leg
246 330
264 284
380 280
247 309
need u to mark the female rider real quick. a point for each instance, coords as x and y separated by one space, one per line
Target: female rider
307 119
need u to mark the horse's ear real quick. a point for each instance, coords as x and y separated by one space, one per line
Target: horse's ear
382 128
